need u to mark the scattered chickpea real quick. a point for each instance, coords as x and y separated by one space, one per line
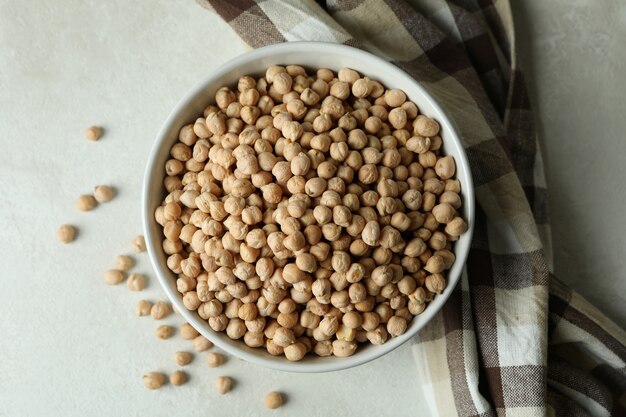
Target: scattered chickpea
154 380
187 332
223 384
160 310
178 378
201 344
86 203
66 233
93 133
273 400
136 282
113 277
183 358
142 308
124 262
164 332
103 193
214 359
138 244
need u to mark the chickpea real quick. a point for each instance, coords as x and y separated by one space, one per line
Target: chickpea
395 98
86 203
344 348
295 352
154 380
273 400
223 384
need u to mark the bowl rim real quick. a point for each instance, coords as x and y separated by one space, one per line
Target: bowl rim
280 363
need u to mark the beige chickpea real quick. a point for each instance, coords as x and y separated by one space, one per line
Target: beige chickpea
86 203
216 123
435 283
352 320
425 126
164 332
178 378
456 227
142 308
246 82
377 336
66 233
362 87
93 133
329 325
182 358
309 320
382 275
309 97
187 332
370 321
314 187
398 118
113 277
452 198
160 310
348 75
418 144
444 213
124 262
201 344
154 380
340 90
344 348
186 135
273 348
282 82
346 333
214 359
283 337
411 109
248 311
103 193
234 110
273 400
139 244
371 233
272 193
323 348
395 98
300 164
223 384
292 130
136 282
223 97
445 167
435 264
396 326
292 274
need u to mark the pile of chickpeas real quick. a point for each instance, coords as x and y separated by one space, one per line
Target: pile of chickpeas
310 213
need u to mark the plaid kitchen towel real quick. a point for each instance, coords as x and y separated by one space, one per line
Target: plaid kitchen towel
512 340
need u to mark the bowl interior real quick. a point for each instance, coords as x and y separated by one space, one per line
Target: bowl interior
310 55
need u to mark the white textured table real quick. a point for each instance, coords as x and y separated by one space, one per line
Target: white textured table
71 346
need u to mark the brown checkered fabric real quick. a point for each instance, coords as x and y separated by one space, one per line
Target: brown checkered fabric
512 340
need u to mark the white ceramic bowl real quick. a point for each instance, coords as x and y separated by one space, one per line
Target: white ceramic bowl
311 55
